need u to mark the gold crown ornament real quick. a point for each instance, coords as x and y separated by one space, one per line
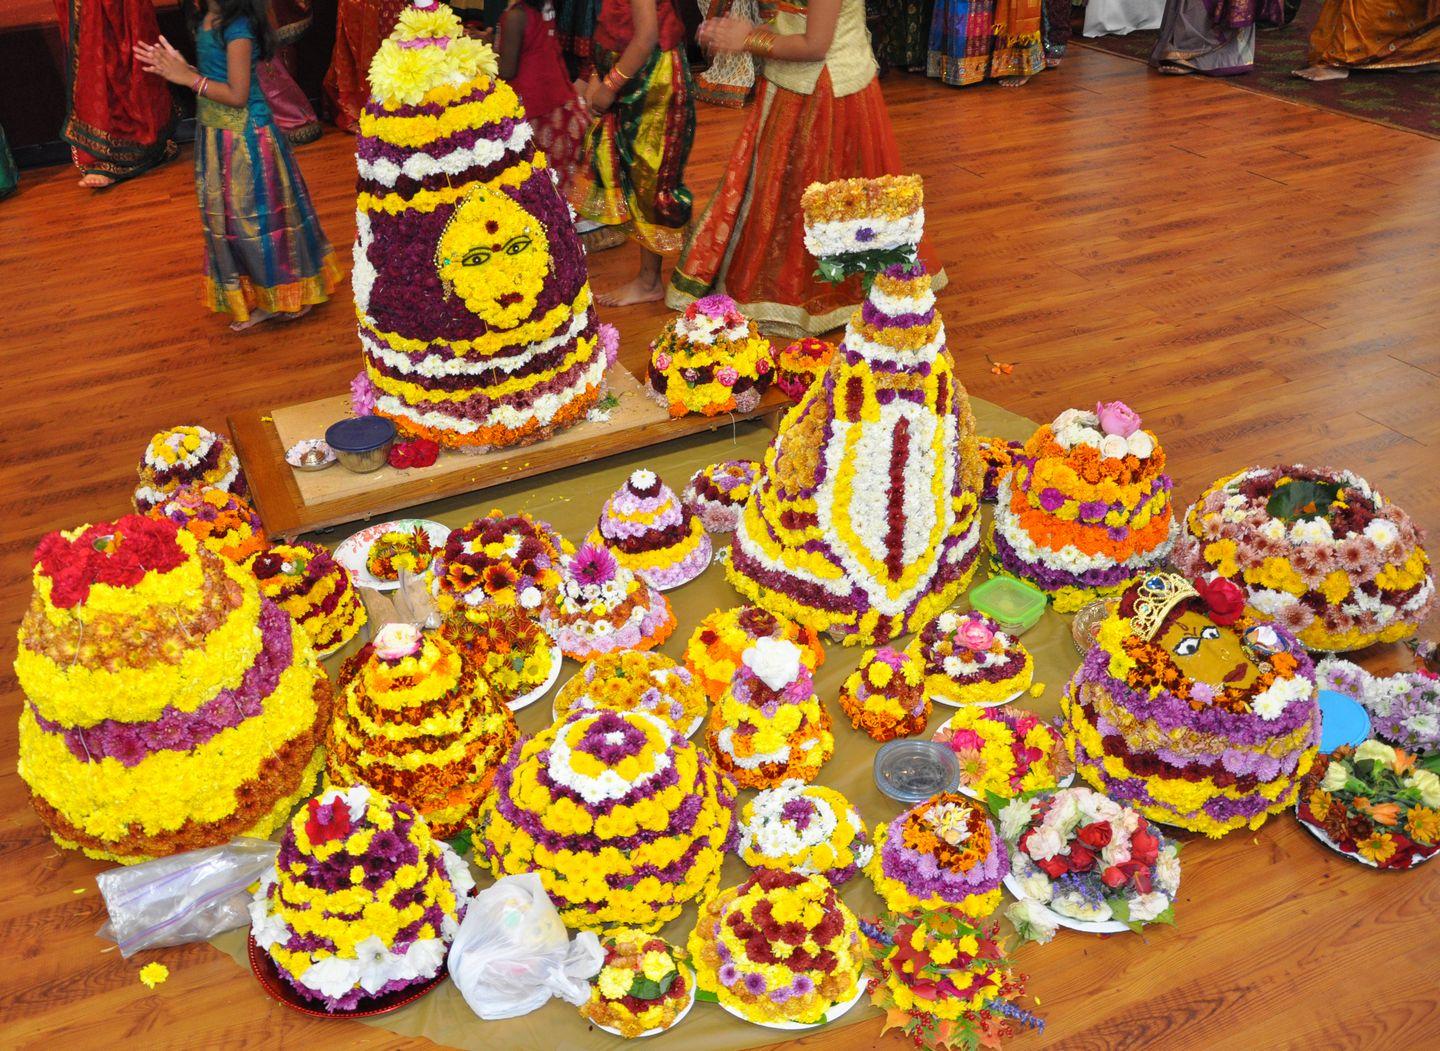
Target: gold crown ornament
1159 593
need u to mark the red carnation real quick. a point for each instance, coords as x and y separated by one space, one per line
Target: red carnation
1095 835
1081 860
1223 598
1113 876
1054 867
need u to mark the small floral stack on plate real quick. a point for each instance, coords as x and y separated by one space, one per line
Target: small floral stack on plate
716 647
628 682
808 829
716 494
940 854
643 988
186 456
969 660
601 607
220 520
885 696
653 534
306 582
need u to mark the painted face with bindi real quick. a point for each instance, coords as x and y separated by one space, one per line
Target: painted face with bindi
1207 652
494 256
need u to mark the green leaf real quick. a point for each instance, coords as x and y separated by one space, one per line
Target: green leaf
705 996
995 802
1120 909
1166 917
462 842
1303 499
836 268
643 988
1431 763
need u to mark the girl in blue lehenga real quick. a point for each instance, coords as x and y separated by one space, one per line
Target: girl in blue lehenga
265 254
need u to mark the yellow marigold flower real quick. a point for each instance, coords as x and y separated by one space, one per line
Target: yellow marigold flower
615 983
152 974
656 965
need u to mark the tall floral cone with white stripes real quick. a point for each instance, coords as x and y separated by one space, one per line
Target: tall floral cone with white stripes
471 288
865 520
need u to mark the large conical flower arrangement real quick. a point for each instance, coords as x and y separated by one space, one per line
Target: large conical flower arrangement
470 284
865 520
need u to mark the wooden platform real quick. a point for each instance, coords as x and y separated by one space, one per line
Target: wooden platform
1258 279
292 502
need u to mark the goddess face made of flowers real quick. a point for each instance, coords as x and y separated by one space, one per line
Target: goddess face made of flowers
1208 652
495 256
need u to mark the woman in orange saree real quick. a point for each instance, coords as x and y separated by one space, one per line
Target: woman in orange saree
118 120
1373 34
361 26
818 116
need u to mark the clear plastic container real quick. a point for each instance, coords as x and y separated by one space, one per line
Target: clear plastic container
912 771
1013 604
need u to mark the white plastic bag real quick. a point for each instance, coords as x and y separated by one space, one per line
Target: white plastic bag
183 898
513 953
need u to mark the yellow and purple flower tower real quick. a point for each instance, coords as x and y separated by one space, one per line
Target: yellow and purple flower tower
470 284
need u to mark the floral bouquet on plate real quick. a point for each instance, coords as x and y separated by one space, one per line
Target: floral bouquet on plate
715 649
716 494
940 854
222 521
1087 858
801 363
509 559
185 456
710 360
630 681
969 660
808 829
1316 550
601 607
652 534
885 695
397 551
1004 752
306 582
998 455
780 947
944 982
1375 804
362 900
642 989
1404 708
508 649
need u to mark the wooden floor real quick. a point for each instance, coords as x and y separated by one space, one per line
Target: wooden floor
1261 281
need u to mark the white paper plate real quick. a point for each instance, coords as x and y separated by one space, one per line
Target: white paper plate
1084 926
355 549
525 700
1323 837
830 1015
984 704
656 1032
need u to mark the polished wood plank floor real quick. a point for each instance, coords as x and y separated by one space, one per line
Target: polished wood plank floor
1259 279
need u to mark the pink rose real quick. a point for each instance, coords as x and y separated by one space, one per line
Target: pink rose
662 361
1117 418
727 376
975 635
395 642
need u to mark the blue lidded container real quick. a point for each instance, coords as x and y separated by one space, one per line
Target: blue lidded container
361 444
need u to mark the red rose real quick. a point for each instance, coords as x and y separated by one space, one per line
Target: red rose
1144 847
1113 876
1223 598
1095 835
1054 867
1142 881
1081 860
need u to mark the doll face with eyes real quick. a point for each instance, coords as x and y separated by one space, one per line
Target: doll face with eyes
1207 652
494 256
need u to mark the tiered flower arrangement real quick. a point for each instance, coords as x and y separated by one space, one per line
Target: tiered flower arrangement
1088 858
769 726
1085 510
710 360
643 988
800 365
363 901
652 534
998 455
415 722
629 681
716 648
1192 714
222 521
623 818
1374 803
168 706
1004 752
601 607
509 651
969 660
1318 551
186 456
946 983
865 521
885 696
471 296
802 828
1404 708
509 559
716 494
306 582
780 947
940 854
397 551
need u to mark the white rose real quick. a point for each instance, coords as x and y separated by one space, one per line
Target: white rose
1167 871
1035 885
1015 818
1140 444
1146 907
1095 807
1336 774
1429 786
775 661
1032 921
1045 843
1382 532
1113 447
1064 813
1068 418
1116 852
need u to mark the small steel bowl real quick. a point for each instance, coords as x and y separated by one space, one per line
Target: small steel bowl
310 454
361 444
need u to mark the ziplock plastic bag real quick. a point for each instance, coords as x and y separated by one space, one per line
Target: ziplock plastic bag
512 952
183 898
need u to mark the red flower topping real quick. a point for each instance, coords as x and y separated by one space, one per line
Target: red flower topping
1223 598
1054 867
331 821
1144 846
117 553
1081 860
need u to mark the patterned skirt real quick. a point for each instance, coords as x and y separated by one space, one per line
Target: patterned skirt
633 174
971 40
750 241
730 80
560 135
264 248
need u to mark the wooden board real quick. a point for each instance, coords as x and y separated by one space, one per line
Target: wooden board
292 502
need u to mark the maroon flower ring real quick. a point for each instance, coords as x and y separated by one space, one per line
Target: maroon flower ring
279 989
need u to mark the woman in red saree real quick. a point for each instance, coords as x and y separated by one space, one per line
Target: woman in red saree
118 120
361 26
818 116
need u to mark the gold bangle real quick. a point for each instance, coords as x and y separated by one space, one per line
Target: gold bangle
761 41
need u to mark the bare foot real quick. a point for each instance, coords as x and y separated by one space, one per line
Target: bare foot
636 290
295 315
96 181
1013 82
256 316
1315 74
1173 69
